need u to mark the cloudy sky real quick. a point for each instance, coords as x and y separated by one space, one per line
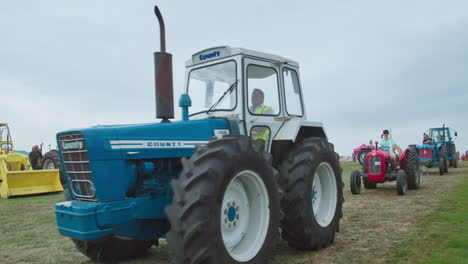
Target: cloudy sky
365 65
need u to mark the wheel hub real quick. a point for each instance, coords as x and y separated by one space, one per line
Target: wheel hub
244 215
324 194
231 213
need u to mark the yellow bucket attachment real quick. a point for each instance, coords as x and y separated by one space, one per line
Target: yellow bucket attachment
30 182
17 178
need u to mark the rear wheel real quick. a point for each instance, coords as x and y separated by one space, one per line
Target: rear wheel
51 161
313 194
225 207
412 170
361 157
111 249
355 182
401 182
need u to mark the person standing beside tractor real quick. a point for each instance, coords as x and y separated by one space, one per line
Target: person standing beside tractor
35 157
258 108
389 145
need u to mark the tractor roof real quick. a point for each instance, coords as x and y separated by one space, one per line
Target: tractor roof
216 53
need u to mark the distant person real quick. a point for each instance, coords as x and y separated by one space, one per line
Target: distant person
427 140
388 144
35 157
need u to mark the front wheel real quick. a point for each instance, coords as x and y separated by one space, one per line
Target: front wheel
313 194
402 185
441 166
444 156
225 207
355 182
412 169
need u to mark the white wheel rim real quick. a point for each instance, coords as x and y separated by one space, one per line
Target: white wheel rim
324 194
48 165
245 216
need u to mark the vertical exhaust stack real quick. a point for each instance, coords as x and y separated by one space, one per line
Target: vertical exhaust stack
163 76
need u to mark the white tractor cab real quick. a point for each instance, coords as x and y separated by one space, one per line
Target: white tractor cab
222 80
297 157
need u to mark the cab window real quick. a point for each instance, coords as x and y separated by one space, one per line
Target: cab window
292 92
262 87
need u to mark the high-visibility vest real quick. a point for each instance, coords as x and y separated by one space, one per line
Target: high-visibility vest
262 132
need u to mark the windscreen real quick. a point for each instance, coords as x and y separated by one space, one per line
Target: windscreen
213 88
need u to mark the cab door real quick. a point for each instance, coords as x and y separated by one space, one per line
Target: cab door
263 109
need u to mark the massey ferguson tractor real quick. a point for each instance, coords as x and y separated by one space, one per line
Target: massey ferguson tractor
378 169
242 164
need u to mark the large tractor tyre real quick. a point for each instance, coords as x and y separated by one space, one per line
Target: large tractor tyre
412 169
355 182
313 194
226 204
111 249
51 161
444 156
455 155
361 157
401 183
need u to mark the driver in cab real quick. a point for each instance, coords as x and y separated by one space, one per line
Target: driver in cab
258 108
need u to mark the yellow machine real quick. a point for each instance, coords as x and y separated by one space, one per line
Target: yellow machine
16 175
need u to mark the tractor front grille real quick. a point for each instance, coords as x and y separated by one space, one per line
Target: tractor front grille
374 165
425 153
76 162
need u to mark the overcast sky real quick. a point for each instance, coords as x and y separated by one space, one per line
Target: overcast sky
365 65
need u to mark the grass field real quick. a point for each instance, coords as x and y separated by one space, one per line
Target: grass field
428 225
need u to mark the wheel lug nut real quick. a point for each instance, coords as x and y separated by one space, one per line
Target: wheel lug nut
237 216
229 225
234 223
225 211
234 203
225 220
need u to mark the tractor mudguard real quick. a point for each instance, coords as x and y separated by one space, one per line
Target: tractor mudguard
297 129
402 160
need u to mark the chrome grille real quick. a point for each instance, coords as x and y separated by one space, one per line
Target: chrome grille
76 161
374 165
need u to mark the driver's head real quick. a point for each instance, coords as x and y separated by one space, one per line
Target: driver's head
426 136
257 97
385 134
35 148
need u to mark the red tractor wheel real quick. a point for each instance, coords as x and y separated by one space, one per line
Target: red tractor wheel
402 185
355 182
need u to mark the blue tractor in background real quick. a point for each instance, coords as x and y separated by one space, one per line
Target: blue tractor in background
439 150
220 183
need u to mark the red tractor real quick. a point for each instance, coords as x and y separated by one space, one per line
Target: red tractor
378 169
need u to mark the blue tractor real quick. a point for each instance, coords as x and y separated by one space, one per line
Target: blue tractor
220 183
439 150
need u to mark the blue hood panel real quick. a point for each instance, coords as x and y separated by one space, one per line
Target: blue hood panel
114 150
